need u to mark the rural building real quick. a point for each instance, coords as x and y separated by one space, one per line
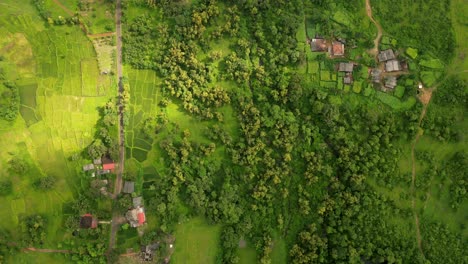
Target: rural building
129 187
88 167
348 78
376 75
337 49
391 82
386 55
147 251
136 217
318 45
88 221
345 67
137 201
97 161
392 65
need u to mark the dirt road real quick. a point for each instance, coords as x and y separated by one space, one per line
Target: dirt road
118 181
375 50
425 98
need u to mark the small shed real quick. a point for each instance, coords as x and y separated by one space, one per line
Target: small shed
391 82
392 65
318 45
88 167
345 67
386 55
129 187
97 161
137 201
88 221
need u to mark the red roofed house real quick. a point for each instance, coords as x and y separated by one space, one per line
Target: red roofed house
141 217
108 166
337 49
88 221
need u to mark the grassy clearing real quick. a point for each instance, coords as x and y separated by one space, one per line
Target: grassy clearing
197 242
459 16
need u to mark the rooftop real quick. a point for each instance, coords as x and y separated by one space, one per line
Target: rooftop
318 45
345 67
88 167
137 201
391 82
129 187
88 221
392 65
337 49
386 55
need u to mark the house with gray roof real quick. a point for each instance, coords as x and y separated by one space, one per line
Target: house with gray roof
137 201
392 66
345 67
129 187
386 55
391 82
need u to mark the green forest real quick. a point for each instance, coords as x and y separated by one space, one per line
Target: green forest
246 140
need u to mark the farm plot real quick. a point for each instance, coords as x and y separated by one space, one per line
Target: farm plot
59 122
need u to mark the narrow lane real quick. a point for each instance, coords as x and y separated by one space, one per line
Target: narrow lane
118 180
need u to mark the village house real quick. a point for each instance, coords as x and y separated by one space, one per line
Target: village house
88 221
102 172
97 161
391 82
318 45
392 66
386 55
345 67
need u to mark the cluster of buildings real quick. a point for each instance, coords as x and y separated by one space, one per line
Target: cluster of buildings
135 215
335 48
388 63
100 166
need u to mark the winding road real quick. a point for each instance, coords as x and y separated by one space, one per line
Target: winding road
118 180
375 50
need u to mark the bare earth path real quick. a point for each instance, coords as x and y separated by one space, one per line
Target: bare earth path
425 98
68 11
375 50
43 250
116 217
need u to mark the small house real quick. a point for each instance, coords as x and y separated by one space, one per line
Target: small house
88 167
337 49
88 221
97 161
345 67
318 45
391 82
129 187
392 66
386 55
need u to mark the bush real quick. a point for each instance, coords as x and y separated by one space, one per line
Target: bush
6 187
